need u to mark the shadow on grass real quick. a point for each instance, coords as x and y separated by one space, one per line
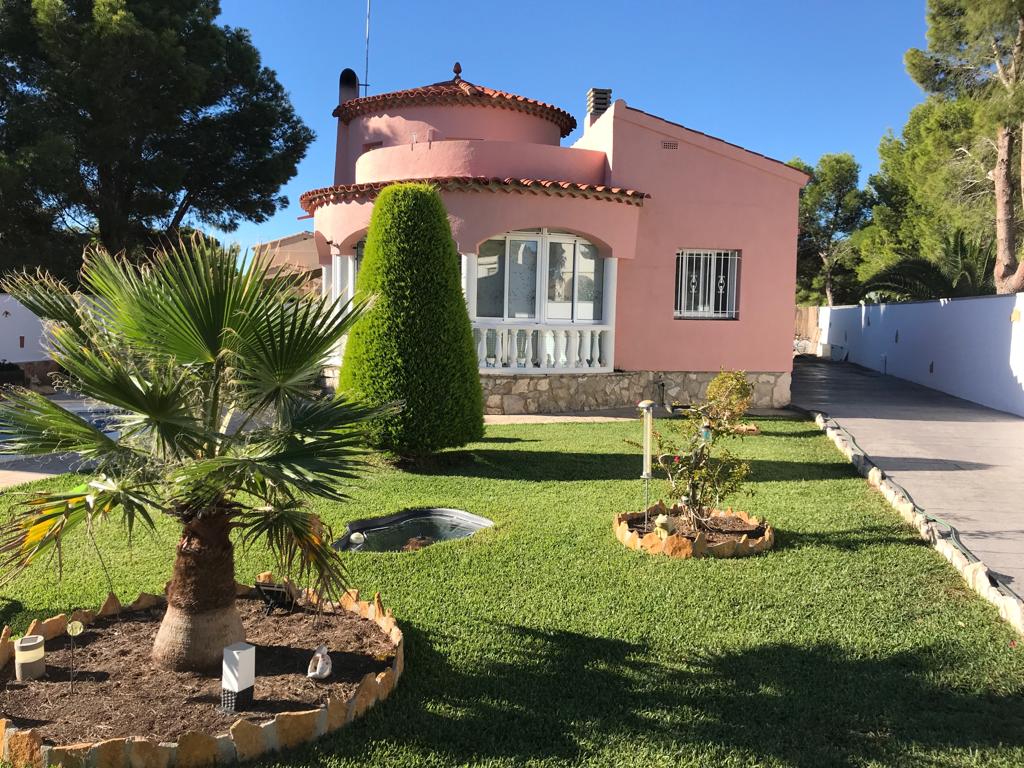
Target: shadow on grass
489 439
558 695
847 540
545 466
9 609
802 433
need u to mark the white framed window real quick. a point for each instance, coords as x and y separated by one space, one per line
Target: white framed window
540 275
707 285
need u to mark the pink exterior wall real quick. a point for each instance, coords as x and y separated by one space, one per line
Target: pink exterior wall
436 123
705 194
501 159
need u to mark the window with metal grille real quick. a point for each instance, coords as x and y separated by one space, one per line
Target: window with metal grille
706 285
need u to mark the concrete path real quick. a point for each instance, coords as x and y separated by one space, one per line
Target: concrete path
960 462
26 470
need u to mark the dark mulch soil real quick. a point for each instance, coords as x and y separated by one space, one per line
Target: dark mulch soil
723 528
118 691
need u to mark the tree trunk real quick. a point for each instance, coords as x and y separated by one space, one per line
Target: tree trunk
201 616
1009 276
828 281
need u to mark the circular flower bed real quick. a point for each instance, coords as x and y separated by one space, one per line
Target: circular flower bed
172 717
732 534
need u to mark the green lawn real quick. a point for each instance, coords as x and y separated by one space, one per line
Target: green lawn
544 642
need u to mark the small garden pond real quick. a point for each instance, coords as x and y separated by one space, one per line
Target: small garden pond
410 530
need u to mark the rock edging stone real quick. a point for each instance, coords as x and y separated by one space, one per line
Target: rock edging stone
246 740
682 547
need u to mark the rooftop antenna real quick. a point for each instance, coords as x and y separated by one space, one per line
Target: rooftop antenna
366 65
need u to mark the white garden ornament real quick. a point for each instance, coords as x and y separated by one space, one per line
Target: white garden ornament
320 664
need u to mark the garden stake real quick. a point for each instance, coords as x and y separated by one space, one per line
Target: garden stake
75 628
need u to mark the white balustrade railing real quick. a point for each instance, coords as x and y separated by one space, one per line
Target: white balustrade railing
511 347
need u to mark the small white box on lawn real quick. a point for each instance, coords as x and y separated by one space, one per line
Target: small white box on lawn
239 667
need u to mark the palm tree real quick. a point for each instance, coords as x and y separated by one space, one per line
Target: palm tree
964 268
213 365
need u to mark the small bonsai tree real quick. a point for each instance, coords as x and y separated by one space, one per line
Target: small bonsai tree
728 397
415 344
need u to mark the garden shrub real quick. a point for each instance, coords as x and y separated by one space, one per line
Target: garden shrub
415 344
728 397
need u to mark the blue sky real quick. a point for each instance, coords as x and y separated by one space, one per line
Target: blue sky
784 78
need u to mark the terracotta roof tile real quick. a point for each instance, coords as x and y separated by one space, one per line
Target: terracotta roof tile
341 193
456 91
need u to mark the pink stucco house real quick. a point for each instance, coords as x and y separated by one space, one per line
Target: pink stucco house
637 262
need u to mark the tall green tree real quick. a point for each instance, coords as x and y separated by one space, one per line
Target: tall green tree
933 180
832 208
127 118
416 344
976 51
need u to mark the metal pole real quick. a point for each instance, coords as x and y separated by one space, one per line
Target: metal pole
647 408
366 65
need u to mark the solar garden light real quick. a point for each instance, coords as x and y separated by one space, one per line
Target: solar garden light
706 433
238 677
29 657
75 628
647 409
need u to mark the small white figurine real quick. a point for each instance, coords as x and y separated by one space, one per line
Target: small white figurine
663 526
320 664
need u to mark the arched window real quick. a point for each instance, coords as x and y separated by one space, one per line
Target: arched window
542 276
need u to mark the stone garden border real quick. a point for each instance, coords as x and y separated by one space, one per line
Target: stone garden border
681 547
976 573
245 740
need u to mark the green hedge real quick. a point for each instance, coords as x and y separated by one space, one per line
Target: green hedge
415 344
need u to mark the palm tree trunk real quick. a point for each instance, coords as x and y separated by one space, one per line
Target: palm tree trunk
1008 274
201 616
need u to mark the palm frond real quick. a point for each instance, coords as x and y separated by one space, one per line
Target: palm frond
310 418
34 425
44 296
48 517
156 397
968 264
300 541
314 466
285 345
910 280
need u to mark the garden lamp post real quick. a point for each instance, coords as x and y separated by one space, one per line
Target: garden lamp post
647 410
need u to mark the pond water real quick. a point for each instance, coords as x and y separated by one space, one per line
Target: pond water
410 530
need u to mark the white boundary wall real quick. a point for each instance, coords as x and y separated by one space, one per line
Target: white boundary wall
20 333
971 348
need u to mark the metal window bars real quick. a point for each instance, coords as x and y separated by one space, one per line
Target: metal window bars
707 285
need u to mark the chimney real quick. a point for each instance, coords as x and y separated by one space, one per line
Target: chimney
348 86
598 101
348 89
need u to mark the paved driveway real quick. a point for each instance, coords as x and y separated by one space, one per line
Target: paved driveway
959 461
26 470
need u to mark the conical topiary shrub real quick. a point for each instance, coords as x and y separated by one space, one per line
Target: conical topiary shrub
415 344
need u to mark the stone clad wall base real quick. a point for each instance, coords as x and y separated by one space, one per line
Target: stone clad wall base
563 393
